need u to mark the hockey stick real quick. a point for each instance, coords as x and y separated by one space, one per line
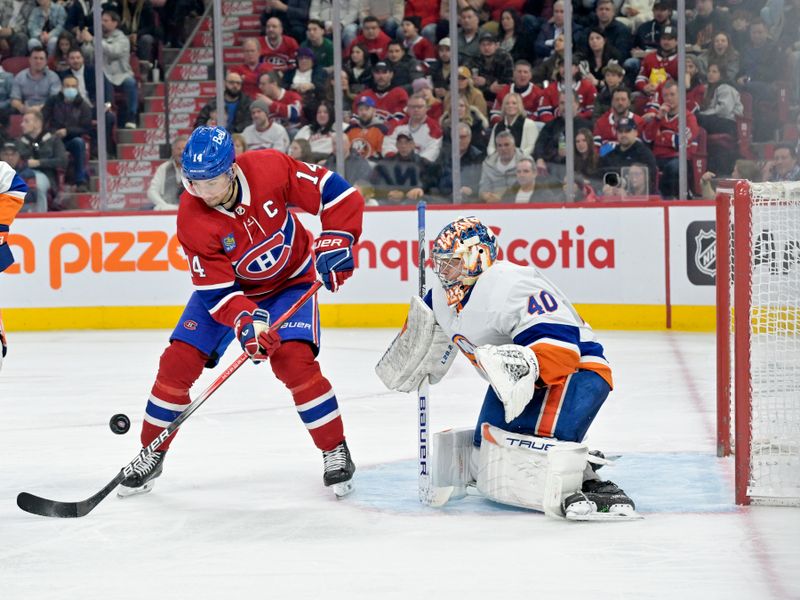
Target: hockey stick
53 508
424 482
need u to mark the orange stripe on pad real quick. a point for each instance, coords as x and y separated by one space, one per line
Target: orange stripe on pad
551 407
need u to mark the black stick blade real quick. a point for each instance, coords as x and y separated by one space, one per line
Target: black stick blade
49 508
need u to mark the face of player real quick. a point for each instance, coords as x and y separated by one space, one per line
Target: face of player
214 191
448 269
522 76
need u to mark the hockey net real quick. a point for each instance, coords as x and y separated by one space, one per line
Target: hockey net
758 354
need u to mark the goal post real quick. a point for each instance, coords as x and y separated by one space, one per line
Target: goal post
758 338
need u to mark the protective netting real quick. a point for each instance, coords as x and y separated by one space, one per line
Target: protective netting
774 343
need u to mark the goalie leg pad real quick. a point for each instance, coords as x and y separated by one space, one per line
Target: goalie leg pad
529 472
420 349
452 450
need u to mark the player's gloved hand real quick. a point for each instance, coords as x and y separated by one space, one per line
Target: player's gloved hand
253 332
6 258
334 252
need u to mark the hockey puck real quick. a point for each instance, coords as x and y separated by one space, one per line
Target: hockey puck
120 424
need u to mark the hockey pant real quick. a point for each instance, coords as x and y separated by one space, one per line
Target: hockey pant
563 412
198 341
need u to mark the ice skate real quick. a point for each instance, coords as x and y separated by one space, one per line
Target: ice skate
599 501
339 469
143 478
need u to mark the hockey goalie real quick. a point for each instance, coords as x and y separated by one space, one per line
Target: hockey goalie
547 380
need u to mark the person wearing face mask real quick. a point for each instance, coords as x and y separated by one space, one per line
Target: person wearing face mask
68 116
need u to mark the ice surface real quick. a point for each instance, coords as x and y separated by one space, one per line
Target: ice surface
241 512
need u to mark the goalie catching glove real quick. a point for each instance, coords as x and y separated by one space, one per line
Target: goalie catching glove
253 332
512 371
421 349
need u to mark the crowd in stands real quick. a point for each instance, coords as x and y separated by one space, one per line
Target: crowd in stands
743 58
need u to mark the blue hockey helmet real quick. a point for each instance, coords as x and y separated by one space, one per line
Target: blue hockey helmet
462 251
208 153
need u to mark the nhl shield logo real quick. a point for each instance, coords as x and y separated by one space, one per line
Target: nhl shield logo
705 252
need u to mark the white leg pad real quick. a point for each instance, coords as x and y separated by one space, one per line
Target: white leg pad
528 471
450 472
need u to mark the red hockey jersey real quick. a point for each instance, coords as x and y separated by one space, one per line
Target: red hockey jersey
283 56
605 128
530 100
663 135
548 104
390 105
288 108
653 61
259 247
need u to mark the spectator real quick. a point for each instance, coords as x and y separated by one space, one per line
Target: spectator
316 41
80 20
300 149
585 92
722 52
237 106
473 118
178 18
470 162
59 61
704 24
521 84
605 128
45 25
514 120
367 130
598 54
6 87
586 159
372 38
404 177
634 13
658 66
9 153
661 129
469 92
740 29
760 68
117 67
468 44
499 169
547 70
239 145
308 80
138 22
550 31
440 69
390 100
628 150
492 68
514 40
424 130
550 150
252 67
427 15
292 14
262 132
285 106
721 104
531 186
416 45
348 17
613 75
166 186
34 85
742 169
424 88
695 83
44 153
358 69
319 132
69 117
405 67
648 34
389 14
783 165
278 50
14 18
617 35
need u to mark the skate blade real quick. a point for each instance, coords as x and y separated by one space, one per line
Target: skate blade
127 492
343 489
617 513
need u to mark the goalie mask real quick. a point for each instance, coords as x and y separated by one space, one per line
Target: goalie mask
462 251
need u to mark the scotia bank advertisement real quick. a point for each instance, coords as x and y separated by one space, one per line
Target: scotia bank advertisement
618 263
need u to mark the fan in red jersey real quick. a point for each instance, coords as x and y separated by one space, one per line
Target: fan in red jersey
250 259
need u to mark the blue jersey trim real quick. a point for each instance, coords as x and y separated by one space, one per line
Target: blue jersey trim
316 413
334 187
564 333
162 414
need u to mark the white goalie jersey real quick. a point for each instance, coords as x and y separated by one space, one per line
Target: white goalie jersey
512 304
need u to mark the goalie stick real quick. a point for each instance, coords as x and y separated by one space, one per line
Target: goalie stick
424 482
53 508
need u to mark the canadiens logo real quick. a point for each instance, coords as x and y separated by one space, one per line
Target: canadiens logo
265 260
229 242
190 325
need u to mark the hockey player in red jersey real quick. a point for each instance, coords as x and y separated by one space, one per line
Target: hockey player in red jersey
250 258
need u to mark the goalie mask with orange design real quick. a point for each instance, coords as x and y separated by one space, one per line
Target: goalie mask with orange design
462 251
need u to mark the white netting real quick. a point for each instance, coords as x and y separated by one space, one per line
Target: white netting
775 343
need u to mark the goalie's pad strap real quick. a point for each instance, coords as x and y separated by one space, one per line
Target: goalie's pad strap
527 471
420 349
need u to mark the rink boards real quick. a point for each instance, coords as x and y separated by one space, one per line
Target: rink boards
625 266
